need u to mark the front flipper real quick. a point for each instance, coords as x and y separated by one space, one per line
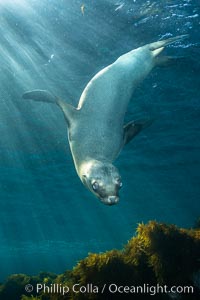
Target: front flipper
44 96
133 128
40 95
69 111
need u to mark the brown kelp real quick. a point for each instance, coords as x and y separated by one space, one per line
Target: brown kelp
158 258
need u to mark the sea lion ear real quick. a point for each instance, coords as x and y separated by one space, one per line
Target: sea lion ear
84 178
133 128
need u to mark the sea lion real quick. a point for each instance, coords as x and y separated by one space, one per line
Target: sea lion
96 129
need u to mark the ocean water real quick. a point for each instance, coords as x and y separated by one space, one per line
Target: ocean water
48 220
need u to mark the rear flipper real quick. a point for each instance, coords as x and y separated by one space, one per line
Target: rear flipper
133 128
157 47
164 43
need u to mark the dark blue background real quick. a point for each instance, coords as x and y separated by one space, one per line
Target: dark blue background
48 220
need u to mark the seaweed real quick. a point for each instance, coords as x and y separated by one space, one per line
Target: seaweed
14 286
197 224
158 255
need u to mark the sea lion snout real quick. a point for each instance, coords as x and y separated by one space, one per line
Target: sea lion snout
110 200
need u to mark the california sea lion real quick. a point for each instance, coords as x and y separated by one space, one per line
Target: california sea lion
96 129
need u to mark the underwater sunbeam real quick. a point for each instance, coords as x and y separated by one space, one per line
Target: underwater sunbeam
13 2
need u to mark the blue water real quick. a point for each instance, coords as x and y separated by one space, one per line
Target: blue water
48 220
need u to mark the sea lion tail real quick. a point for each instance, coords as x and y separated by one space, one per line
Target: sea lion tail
157 47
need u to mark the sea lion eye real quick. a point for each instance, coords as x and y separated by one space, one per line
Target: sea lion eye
118 182
95 186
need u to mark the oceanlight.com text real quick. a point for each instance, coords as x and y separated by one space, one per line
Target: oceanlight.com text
111 288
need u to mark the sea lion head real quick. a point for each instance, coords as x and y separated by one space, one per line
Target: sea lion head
103 180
